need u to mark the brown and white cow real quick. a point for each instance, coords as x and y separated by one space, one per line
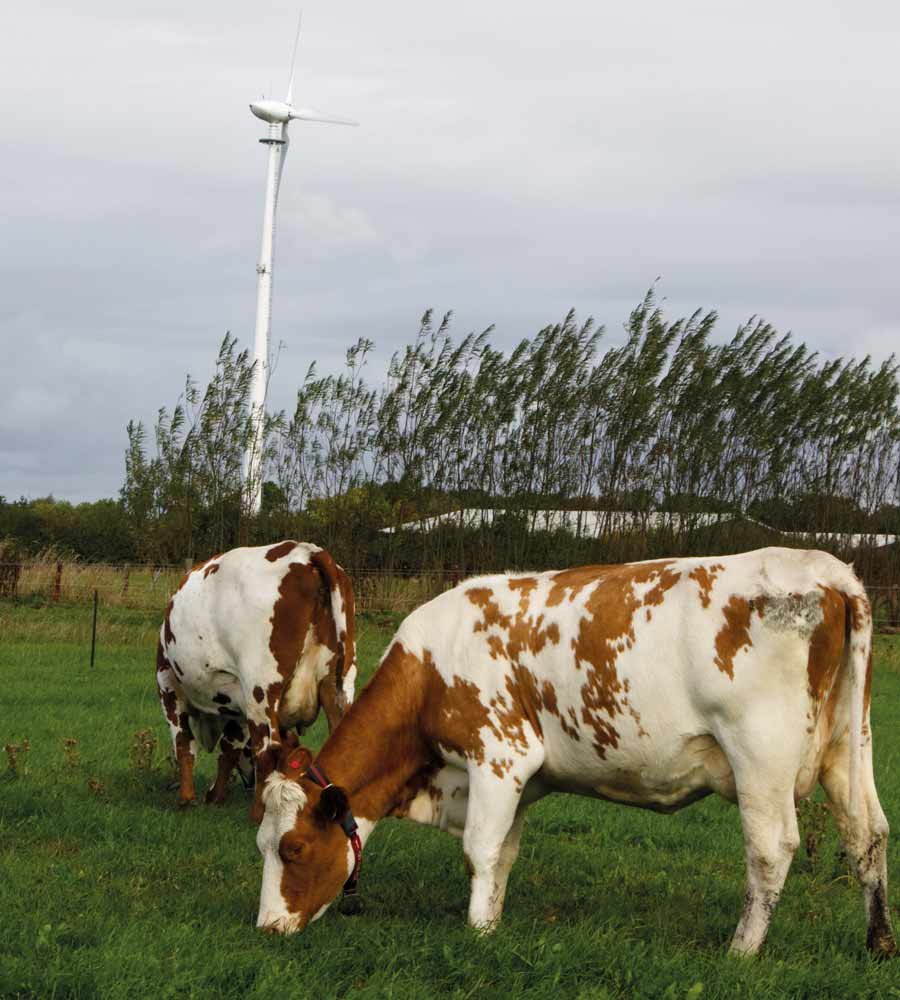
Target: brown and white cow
651 684
254 642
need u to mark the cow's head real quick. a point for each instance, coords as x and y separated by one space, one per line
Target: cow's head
306 855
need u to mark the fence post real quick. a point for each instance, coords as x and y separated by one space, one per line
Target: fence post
57 582
126 573
94 631
9 579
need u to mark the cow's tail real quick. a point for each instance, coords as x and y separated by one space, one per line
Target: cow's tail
342 612
859 622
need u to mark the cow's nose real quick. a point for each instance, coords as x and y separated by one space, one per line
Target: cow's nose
279 925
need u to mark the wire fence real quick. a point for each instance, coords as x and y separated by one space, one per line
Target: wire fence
148 588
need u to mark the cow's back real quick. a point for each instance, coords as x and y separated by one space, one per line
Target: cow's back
633 676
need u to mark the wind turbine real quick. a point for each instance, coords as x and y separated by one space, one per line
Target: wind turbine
278 115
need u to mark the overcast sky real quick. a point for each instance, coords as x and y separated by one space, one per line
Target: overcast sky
515 159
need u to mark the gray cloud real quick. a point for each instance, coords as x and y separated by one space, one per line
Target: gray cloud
514 160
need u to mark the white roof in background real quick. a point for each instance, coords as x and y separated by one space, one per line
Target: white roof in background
595 522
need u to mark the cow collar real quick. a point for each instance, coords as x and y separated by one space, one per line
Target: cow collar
348 825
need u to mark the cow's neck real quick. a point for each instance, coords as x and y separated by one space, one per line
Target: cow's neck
378 749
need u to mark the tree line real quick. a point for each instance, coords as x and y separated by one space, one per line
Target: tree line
756 429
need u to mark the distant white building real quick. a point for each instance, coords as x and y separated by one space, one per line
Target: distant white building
591 523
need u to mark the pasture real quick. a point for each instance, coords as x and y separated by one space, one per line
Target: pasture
107 890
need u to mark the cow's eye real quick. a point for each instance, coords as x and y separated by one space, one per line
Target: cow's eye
290 850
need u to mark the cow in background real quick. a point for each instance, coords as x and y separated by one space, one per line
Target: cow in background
651 684
254 642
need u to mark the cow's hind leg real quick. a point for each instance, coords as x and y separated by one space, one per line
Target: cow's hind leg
231 748
765 754
771 836
864 837
175 709
493 828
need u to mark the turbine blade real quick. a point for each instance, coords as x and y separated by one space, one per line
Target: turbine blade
311 115
290 90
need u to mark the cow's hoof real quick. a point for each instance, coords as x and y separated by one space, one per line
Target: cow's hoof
350 906
214 798
884 950
186 803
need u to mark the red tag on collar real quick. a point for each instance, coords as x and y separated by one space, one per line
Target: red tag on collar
295 764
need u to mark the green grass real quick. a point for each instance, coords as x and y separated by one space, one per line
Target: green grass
106 890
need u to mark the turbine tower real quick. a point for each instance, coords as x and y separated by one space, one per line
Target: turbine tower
278 115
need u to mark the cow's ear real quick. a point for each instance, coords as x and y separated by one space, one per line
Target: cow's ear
333 803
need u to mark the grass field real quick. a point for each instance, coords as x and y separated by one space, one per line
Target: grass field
106 890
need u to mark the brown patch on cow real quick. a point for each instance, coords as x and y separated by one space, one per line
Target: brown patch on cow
299 596
607 630
572 582
734 635
551 705
169 701
381 745
280 550
168 634
273 699
220 698
826 648
706 578
496 647
213 567
482 597
860 612
759 604
162 664
258 694
632 711
666 581
524 585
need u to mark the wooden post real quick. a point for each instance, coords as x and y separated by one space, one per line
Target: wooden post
57 583
125 573
94 631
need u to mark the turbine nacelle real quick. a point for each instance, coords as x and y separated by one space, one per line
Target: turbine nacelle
273 112
280 113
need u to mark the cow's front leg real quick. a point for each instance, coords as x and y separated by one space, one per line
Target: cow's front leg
231 748
176 710
265 740
493 828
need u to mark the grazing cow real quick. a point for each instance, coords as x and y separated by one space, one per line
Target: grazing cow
651 684
253 642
